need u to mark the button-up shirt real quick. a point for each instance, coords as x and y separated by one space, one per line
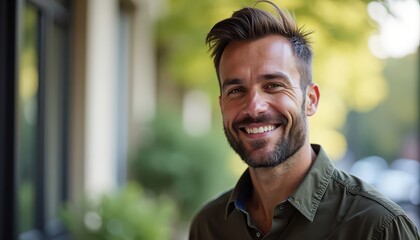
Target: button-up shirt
328 204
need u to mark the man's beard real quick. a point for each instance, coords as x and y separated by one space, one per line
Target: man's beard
285 147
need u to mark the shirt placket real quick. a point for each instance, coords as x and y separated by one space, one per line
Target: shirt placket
282 215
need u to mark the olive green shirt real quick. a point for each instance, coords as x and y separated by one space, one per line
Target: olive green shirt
328 204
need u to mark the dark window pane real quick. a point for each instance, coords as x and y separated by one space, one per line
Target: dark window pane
63 2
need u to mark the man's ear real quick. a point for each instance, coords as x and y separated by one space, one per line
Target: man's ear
312 99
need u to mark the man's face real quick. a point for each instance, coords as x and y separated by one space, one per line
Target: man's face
261 100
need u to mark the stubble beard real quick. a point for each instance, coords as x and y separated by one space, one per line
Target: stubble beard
285 147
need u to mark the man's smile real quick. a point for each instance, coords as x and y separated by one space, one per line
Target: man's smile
260 129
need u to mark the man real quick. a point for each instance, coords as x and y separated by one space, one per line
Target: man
291 189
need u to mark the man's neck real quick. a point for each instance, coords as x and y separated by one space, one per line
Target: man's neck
275 185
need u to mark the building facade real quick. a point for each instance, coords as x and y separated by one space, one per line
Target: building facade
75 76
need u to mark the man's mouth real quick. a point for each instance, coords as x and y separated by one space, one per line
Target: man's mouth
261 129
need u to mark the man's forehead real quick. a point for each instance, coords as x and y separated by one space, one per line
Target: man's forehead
266 56
272 47
262 41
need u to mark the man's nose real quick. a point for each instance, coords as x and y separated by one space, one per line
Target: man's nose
255 104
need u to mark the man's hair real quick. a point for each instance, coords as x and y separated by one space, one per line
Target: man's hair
251 23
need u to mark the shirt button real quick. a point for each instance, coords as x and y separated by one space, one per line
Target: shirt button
258 234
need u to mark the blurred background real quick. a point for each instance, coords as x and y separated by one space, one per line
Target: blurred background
111 127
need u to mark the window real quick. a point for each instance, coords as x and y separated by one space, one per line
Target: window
27 119
41 118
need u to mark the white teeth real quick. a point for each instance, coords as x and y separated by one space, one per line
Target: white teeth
260 129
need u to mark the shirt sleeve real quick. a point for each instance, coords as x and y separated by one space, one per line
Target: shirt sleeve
400 227
193 233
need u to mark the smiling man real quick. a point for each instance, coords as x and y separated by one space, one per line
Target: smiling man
291 189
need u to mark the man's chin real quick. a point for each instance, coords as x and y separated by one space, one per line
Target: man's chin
261 163
261 158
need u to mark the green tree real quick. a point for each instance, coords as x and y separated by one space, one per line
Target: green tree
398 115
189 169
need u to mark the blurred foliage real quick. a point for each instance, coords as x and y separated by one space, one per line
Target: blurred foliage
349 76
190 169
398 115
130 213
26 206
27 118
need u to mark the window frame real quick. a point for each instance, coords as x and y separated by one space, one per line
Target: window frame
50 13
8 50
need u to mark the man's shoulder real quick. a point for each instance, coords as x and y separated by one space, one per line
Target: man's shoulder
362 207
366 195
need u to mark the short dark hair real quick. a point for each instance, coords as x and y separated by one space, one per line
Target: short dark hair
251 23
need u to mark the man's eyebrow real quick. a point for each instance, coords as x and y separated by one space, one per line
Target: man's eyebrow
267 76
274 75
232 81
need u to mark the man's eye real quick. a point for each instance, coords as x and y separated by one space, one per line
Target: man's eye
235 91
273 85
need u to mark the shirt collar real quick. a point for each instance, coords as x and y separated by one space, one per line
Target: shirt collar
240 194
308 195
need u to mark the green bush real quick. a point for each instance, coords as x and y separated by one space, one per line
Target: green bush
191 169
129 214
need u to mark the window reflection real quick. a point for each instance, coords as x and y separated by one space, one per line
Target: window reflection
27 118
